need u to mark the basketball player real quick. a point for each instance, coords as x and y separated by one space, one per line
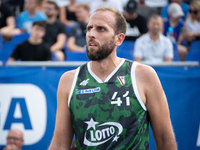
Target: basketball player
109 102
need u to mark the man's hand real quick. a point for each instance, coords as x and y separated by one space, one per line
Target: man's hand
11 147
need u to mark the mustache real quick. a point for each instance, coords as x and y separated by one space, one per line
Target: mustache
93 41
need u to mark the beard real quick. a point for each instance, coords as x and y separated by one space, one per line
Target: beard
103 51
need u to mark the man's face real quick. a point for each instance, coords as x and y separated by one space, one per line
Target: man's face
155 25
100 35
50 10
37 31
31 5
81 14
15 139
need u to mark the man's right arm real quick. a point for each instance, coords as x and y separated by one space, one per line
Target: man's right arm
63 133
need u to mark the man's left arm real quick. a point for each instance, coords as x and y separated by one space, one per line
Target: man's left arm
157 108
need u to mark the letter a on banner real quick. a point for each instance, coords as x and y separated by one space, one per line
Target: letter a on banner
24 117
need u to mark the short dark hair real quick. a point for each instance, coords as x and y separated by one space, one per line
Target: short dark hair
154 16
120 21
53 3
39 23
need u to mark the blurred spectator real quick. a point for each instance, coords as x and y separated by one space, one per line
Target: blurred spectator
145 10
136 24
55 35
26 18
15 140
184 6
67 13
16 5
153 46
34 49
76 36
7 22
172 27
156 4
107 3
41 4
192 23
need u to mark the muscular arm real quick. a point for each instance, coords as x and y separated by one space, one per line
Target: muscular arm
63 133
154 97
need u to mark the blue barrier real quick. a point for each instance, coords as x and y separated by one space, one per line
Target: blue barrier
28 102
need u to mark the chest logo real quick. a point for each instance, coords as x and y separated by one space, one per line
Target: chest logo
84 82
87 91
120 80
98 134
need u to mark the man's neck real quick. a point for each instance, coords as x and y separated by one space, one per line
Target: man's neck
102 69
32 13
35 41
51 20
154 37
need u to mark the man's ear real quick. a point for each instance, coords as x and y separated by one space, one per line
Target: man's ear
119 38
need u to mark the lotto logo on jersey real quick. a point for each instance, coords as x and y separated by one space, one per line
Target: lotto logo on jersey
23 107
97 134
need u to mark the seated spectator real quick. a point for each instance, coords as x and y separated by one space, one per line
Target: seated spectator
144 10
172 28
26 18
15 140
192 23
107 3
67 13
184 6
34 49
76 36
156 4
55 35
136 24
7 22
153 46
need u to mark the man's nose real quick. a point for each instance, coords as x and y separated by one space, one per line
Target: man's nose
91 33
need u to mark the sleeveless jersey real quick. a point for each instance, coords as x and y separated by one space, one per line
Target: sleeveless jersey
108 115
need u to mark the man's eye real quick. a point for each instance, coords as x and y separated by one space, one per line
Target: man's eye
101 29
89 28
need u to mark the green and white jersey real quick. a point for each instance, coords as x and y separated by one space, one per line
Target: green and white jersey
108 115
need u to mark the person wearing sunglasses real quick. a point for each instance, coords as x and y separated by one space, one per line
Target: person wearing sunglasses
192 23
14 139
184 6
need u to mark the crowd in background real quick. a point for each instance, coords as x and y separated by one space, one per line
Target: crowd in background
58 25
